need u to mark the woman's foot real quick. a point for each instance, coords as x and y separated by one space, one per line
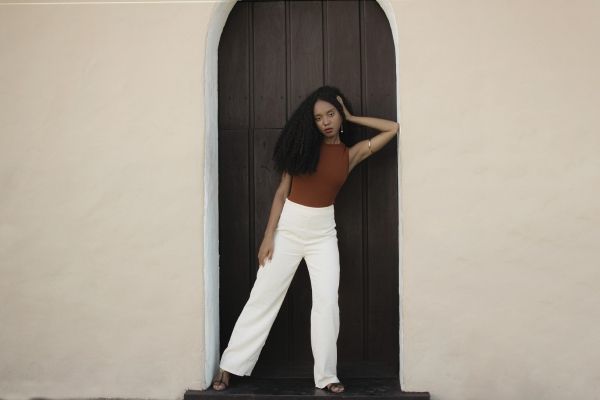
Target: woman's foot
335 387
221 381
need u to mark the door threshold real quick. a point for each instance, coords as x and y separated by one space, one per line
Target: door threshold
248 387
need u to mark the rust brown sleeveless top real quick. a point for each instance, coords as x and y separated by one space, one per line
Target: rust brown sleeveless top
320 188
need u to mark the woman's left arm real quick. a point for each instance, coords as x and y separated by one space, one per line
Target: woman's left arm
367 147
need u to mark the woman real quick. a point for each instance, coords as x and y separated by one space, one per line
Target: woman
314 163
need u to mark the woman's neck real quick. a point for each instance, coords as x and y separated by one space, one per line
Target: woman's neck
334 140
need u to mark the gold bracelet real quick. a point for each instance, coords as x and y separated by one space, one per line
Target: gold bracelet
370 152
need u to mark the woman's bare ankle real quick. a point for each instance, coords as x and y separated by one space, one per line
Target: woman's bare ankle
221 380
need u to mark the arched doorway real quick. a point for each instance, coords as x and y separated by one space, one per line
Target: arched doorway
271 54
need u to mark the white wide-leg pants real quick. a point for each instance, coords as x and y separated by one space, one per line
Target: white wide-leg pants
302 231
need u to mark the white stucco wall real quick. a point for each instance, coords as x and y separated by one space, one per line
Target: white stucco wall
101 225
102 154
500 186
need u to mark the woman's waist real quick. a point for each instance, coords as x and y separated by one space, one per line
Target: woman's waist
307 217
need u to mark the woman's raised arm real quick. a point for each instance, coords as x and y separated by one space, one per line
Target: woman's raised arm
367 147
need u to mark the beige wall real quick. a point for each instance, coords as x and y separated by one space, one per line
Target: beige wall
501 198
102 130
101 172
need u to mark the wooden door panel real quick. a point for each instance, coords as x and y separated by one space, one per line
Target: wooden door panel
342 49
349 217
305 47
382 227
269 60
234 234
234 83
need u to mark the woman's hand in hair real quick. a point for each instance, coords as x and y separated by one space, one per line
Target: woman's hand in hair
346 112
265 251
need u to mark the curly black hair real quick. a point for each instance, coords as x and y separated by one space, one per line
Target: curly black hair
298 146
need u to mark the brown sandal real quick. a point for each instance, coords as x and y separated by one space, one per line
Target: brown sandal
218 381
332 385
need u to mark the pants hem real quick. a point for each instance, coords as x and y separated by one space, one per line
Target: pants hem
234 371
335 380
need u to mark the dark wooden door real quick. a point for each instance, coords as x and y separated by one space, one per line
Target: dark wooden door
271 55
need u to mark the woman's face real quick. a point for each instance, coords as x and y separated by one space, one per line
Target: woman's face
327 118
